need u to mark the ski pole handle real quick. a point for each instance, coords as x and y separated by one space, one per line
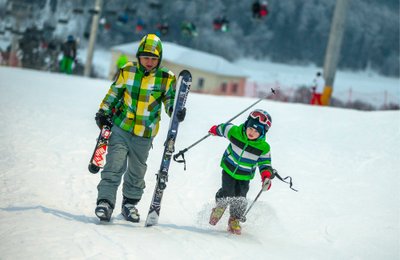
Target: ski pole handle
181 152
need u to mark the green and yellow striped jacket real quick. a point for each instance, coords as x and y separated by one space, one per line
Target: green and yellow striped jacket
242 155
136 99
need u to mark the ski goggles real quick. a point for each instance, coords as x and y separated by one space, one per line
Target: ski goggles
261 117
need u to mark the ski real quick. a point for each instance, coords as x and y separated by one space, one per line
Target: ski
182 90
98 156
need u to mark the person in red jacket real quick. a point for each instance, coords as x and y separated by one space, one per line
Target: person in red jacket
260 10
264 9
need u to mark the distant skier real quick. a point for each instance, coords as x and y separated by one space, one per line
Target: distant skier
317 89
162 28
136 96
139 25
221 23
188 29
122 60
69 55
259 10
247 150
30 46
255 8
264 9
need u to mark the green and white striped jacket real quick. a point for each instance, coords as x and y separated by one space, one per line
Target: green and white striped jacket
243 156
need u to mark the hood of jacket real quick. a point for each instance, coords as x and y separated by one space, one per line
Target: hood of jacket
150 45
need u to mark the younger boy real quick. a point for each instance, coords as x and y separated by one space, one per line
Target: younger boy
247 150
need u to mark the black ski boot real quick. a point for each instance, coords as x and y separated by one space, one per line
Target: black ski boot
104 210
129 211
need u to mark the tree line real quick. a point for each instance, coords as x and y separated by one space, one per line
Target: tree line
293 31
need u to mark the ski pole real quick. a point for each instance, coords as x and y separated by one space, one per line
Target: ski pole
181 152
262 189
254 201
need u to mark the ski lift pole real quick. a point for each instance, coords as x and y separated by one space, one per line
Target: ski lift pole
181 152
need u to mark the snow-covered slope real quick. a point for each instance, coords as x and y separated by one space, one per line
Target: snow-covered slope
345 164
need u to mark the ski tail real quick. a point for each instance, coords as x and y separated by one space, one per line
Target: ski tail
98 157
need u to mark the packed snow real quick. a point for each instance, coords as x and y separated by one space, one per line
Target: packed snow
345 164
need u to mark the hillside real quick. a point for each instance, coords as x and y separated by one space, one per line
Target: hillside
343 162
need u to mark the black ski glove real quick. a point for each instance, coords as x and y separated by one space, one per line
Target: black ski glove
102 119
181 114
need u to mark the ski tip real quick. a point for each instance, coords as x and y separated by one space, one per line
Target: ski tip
186 77
185 73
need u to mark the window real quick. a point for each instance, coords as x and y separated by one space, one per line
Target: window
224 87
200 84
235 88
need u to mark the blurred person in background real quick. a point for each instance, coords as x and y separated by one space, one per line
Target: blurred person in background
69 55
317 89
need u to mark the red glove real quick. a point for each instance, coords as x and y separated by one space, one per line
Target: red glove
213 130
266 180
